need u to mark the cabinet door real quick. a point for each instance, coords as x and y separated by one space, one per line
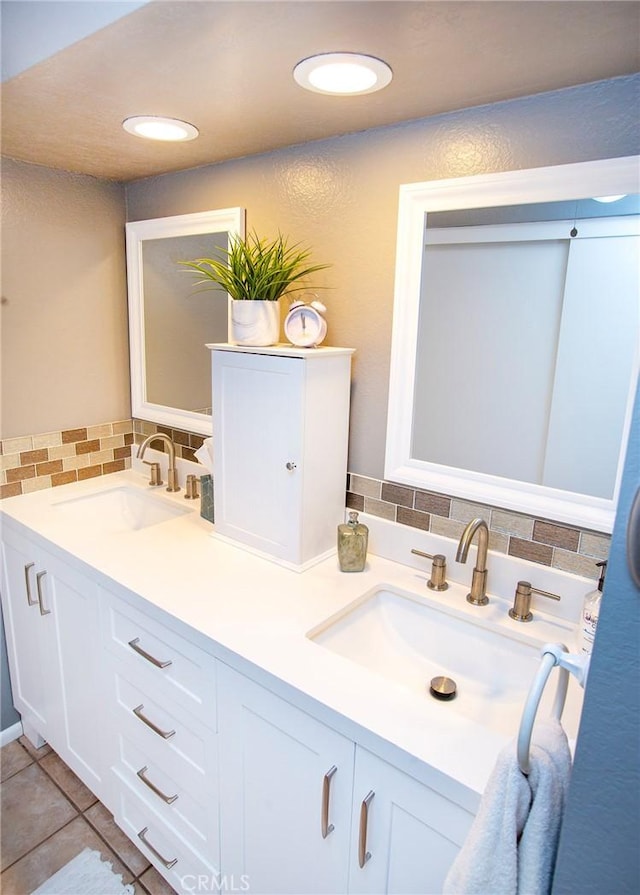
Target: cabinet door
274 760
257 408
407 834
72 600
26 635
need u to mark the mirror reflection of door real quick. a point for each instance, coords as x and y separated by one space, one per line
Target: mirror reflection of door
180 318
536 324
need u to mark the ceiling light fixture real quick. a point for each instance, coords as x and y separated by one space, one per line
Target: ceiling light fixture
348 74
154 127
609 198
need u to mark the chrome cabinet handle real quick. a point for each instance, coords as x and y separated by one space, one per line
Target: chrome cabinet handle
143 836
39 577
165 734
145 655
291 466
27 582
363 854
142 775
326 827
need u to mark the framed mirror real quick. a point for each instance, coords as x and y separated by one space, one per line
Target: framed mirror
170 320
516 338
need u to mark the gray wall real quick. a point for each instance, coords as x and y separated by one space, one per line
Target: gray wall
340 197
599 843
65 356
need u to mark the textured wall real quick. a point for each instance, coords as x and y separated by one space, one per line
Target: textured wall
600 854
340 197
65 359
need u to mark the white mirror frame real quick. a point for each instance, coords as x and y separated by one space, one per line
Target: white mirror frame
230 220
575 181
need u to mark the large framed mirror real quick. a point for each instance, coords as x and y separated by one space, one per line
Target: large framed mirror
171 321
516 338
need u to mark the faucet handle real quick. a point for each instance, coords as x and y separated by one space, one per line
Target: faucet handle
156 478
438 580
191 487
521 609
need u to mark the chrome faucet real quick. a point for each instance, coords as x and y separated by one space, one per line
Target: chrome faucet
478 593
172 472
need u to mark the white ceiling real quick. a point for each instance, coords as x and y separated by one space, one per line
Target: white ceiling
225 66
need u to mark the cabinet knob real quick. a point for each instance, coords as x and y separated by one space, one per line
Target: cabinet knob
291 465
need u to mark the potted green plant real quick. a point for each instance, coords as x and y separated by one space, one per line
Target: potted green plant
256 273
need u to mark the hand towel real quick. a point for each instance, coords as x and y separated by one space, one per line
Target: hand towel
512 844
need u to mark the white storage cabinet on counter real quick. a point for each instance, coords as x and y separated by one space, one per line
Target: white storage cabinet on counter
280 424
52 627
306 810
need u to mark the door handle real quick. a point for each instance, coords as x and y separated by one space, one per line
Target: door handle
363 854
39 577
326 827
27 582
633 540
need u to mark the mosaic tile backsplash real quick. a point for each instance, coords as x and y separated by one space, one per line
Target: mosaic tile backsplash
33 462
537 540
56 458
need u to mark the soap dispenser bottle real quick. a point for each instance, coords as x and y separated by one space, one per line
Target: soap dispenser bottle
591 611
352 544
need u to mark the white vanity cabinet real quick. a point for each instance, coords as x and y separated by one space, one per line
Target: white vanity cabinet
280 430
305 809
406 835
285 795
52 626
162 742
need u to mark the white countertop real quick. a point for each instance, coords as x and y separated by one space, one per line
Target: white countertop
261 612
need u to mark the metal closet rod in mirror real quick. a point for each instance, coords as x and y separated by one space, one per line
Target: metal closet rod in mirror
516 331
170 321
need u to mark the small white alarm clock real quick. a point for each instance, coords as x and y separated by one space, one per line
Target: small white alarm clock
304 325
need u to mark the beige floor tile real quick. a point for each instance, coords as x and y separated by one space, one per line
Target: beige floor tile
13 758
41 863
36 754
103 822
154 883
32 808
72 786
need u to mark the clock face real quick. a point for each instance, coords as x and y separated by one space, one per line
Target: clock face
305 326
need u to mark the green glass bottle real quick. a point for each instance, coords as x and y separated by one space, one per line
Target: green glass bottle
352 544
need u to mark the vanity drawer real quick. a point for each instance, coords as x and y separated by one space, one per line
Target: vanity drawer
192 809
161 661
165 734
170 853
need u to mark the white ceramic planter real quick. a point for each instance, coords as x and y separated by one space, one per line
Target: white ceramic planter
255 322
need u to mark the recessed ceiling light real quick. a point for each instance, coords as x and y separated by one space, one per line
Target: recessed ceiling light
608 198
342 73
153 127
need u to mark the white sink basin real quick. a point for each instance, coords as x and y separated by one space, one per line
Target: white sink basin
409 641
124 508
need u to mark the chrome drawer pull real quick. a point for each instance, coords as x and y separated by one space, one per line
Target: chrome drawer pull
325 826
167 864
39 578
168 799
363 854
165 734
145 655
27 582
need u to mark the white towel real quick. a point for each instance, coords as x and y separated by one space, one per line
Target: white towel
512 844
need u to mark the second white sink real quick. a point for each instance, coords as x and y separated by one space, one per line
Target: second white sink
124 508
409 641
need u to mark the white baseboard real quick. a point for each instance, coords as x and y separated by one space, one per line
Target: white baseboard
11 733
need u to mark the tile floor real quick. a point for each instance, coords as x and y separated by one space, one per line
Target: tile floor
48 816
